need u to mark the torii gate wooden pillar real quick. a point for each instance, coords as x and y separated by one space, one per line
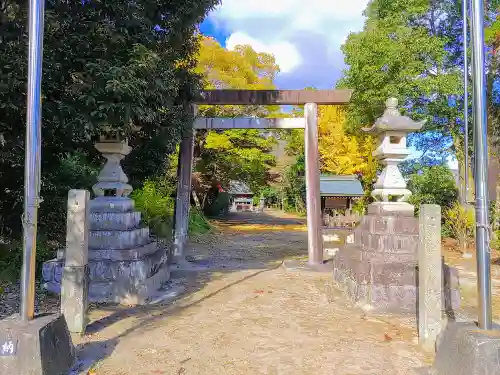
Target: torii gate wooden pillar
311 100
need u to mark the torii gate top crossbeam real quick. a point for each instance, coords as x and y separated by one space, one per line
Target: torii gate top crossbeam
249 123
273 97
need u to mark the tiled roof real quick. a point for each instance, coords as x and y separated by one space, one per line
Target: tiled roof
335 186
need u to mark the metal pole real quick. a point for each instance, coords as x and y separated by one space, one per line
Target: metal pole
32 157
466 103
313 200
481 170
471 42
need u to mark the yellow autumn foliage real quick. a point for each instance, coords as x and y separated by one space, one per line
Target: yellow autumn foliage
341 153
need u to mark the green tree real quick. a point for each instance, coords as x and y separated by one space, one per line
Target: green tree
433 185
237 155
409 50
402 54
294 186
108 66
413 50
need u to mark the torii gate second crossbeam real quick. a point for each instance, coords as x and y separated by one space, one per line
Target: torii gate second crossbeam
310 99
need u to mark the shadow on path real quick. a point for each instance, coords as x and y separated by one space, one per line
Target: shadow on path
250 243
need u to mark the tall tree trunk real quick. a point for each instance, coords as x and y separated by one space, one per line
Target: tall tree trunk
496 217
460 155
494 183
493 144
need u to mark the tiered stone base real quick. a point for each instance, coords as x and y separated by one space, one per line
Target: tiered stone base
379 270
125 265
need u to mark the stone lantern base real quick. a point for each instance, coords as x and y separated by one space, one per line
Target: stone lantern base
391 209
379 270
126 266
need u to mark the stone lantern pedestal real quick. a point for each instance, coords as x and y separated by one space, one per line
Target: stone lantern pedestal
126 265
379 270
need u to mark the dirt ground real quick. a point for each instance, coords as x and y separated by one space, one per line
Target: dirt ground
248 315
467 269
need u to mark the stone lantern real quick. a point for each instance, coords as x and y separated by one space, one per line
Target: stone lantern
390 192
378 270
126 264
112 179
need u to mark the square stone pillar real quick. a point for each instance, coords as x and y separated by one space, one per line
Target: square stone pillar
75 276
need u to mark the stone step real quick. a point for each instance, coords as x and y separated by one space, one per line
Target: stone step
120 239
130 282
112 204
135 253
114 220
364 269
123 293
127 272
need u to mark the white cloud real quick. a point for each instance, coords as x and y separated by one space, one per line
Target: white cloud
313 9
285 53
305 36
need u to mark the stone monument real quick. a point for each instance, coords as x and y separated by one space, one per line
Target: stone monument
126 265
379 270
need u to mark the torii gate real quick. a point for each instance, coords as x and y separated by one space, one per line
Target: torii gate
311 100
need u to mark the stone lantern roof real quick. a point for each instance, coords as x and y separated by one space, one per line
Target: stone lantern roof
392 120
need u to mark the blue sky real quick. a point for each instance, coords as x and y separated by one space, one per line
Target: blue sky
304 36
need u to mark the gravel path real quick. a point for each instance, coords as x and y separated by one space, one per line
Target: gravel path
251 316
